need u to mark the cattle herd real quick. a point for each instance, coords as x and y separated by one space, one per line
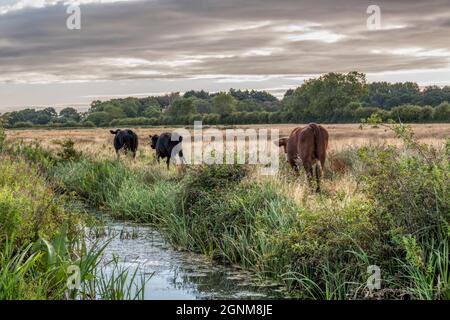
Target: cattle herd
306 146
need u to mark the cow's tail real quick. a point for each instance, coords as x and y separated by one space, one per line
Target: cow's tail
320 142
135 142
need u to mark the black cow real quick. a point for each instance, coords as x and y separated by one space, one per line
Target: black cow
125 139
164 145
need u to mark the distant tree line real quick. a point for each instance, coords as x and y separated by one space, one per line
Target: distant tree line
331 98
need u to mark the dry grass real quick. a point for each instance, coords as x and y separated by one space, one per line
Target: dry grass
98 141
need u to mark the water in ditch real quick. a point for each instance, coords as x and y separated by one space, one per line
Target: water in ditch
171 274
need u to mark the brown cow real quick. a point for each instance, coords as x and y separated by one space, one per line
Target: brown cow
308 144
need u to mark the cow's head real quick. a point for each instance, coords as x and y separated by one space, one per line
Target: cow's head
153 140
282 143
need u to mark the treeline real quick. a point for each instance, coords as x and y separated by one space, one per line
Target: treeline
331 98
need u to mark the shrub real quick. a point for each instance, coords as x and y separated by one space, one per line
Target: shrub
23 124
411 193
68 152
88 124
209 179
442 112
133 122
28 208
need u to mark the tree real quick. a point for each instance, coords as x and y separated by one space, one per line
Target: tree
130 107
388 95
202 106
248 105
197 94
100 118
152 112
224 104
442 112
70 114
324 98
114 111
96 105
148 102
181 108
166 100
51 112
407 113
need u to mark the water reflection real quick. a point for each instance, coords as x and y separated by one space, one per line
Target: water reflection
181 275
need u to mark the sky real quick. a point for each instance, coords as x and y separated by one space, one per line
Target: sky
151 47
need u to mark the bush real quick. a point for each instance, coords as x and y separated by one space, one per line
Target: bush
28 207
209 179
88 124
34 153
406 113
415 201
411 192
68 152
23 124
442 112
132 122
365 112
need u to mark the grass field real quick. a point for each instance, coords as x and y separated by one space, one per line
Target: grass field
390 206
99 141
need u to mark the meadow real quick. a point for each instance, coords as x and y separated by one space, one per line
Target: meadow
385 202
98 141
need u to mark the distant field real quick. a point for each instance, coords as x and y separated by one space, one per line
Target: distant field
99 140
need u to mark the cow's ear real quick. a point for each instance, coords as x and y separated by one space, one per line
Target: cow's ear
281 142
114 132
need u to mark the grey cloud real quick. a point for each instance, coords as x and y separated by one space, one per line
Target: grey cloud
192 38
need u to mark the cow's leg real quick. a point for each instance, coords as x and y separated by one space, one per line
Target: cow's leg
180 154
292 163
134 155
168 162
309 171
318 174
117 154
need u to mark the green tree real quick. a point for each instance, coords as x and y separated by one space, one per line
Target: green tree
204 95
181 108
407 113
114 111
324 98
442 112
100 118
224 104
152 112
202 106
70 114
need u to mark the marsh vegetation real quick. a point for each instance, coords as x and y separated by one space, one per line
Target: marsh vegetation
383 203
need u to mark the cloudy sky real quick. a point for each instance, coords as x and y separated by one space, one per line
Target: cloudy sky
146 47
